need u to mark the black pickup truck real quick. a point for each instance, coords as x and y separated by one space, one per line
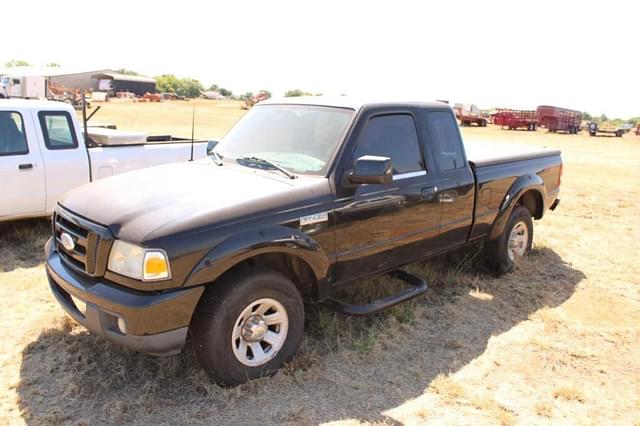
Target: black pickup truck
299 198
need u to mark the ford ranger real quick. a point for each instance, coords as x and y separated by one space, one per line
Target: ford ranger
299 198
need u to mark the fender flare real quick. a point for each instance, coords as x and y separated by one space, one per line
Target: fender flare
240 247
521 186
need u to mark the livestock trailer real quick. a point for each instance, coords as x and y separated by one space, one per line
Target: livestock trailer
515 119
556 119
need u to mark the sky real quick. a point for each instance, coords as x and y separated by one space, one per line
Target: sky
577 54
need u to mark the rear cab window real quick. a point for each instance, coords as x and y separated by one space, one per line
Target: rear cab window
444 137
12 134
392 136
57 129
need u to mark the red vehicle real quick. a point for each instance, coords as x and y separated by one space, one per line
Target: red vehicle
515 119
559 119
469 114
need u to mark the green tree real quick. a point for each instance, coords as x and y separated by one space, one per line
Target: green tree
587 116
604 118
225 92
214 87
247 95
295 92
266 93
127 72
17 63
53 65
189 87
167 83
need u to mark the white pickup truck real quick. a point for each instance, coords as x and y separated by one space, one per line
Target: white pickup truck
43 154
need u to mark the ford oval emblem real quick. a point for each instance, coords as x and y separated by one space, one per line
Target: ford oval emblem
67 241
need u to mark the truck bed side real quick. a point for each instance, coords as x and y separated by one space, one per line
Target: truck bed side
503 182
111 160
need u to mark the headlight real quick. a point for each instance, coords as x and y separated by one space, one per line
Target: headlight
139 263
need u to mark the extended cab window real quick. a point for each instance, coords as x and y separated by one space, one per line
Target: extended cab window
57 129
444 137
12 139
392 136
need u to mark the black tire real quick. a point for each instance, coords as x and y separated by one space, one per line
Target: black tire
496 251
220 307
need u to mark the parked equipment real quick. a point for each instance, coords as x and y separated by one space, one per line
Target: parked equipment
470 114
515 119
594 129
251 101
556 119
27 87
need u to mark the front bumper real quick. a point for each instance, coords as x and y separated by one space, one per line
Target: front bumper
155 322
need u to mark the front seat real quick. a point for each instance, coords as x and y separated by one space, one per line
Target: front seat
11 138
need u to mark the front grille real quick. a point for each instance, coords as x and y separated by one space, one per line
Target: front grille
91 242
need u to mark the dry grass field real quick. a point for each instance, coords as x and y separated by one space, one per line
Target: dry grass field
557 341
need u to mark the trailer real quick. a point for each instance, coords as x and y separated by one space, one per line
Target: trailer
515 119
469 114
594 130
26 87
557 119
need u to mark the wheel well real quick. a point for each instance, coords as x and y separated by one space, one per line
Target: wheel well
533 202
294 267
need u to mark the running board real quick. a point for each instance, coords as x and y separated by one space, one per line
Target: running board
417 287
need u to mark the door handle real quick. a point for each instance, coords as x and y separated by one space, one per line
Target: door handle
429 192
25 166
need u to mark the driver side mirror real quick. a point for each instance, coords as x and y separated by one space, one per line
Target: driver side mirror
371 169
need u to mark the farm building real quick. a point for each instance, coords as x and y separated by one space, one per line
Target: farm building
77 80
112 82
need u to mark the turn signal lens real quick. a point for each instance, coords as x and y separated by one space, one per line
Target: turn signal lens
156 266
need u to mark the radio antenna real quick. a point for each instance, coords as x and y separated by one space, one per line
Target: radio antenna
193 126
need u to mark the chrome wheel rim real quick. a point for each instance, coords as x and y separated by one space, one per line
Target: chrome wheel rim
259 332
518 240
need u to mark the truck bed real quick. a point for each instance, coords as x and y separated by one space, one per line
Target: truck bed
482 153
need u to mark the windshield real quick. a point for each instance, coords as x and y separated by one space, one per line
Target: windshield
300 138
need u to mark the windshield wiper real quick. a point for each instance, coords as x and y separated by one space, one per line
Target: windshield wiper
272 164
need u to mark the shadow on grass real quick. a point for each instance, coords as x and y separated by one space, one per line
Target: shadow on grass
22 243
346 368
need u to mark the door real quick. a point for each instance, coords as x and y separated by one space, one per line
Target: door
67 161
456 188
378 227
22 185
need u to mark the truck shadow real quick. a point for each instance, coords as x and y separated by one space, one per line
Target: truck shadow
22 243
69 376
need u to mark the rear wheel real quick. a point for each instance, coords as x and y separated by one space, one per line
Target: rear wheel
514 242
247 325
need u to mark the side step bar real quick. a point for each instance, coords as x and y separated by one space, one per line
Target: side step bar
417 287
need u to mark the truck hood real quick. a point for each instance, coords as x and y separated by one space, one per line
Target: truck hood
159 201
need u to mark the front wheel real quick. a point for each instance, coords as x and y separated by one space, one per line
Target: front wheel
247 325
514 242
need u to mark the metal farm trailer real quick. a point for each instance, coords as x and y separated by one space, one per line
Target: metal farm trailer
515 119
556 119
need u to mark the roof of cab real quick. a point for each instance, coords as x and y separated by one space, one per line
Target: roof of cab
33 103
349 102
